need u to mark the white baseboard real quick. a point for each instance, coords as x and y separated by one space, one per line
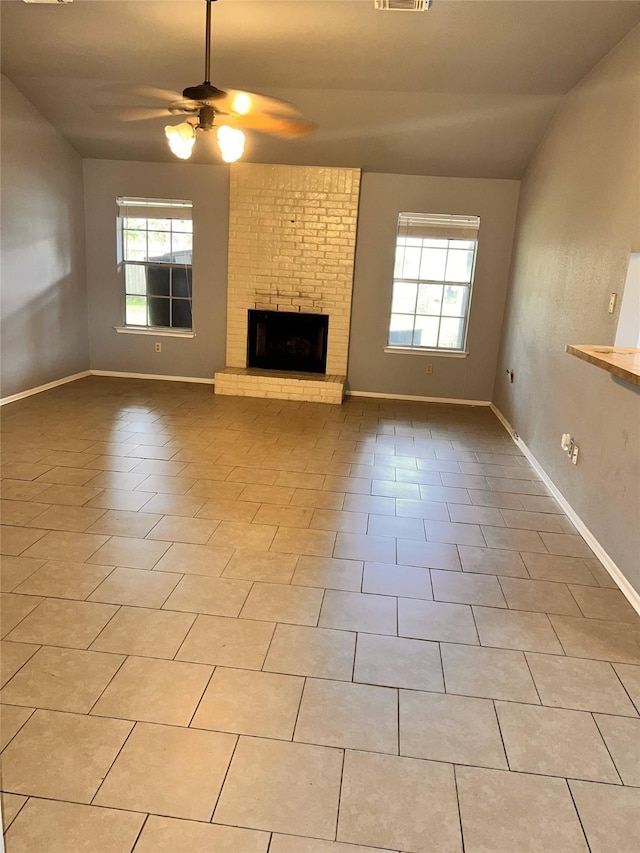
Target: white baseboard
31 391
452 401
632 596
157 376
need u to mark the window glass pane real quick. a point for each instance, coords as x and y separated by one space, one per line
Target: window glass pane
181 313
404 297
430 299
434 243
451 333
159 225
182 225
401 329
432 264
415 242
160 246
411 265
461 244
181 248
135 279
426 332
135 245
134 223
455 301
399 264
158 312
158 281
136 311
181 282
459 263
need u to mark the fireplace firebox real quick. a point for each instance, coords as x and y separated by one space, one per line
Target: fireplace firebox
287 340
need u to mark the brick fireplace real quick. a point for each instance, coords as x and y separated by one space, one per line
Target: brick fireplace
292 232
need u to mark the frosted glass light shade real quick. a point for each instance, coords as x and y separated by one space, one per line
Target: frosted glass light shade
181 138
231 143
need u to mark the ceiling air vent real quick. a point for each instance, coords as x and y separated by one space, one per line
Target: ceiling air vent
402 5
47 1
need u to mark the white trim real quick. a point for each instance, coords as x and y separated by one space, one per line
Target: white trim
159 376
632 595
160 332
416 399
437 353
31 391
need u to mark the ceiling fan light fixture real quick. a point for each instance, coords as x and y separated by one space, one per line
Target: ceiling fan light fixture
231 143
241 103
181 138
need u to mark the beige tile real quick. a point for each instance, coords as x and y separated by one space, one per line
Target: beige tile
71 518
527 520
62 756
420 509
515 629
301 480
207 471
215 596
169 835
514 540
455 534
598 603
429 555
57 622
351 716
20 512
630 677
250 703
466 588
174 505
12 657
313 543
16 540
12 719
24 470
194 560
227 510
584 685
400 803
550 567
215 489
396 527
577 749
194 531
73 547
566 545
602 576
328 573
465 514
506 812
253 475
261 566
353 546
151 633
609 816
406 581
122 523
165 485
170 771
444 494
369 503
14 609
428 620
20 490
156 691
282 787
397 662
295 844
317 652
286 516
129 552
316 499
65 476
622 737
595 638
487 673
137 587
65 580
15 570
541 596
282 603
62 679
492 561
346 522
354 611
227 642
231 534
59 827
11 805
267 494
456 729
115 498
351 485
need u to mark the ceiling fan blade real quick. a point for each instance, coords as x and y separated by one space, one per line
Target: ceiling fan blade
154 92
132 113
287 127
235 101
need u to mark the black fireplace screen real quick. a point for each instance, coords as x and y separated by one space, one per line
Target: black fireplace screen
283 340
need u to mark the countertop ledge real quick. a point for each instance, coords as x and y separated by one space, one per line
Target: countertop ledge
623 362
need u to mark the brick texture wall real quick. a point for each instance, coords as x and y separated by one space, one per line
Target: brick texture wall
292 233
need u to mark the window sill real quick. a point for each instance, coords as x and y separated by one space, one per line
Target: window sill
158 332
438 353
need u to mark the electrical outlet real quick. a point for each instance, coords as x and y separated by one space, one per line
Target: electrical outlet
574 454
612 302
158 346
428 368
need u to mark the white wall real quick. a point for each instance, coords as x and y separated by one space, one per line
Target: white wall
208 188
382 198
579 219
43 299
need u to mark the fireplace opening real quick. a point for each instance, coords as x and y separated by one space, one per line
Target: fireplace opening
284 340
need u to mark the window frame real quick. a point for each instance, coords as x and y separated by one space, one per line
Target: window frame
152 208
448 225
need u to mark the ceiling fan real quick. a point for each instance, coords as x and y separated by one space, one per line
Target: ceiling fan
229 111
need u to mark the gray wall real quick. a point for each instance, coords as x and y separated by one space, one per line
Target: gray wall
578 221
208 188
382 197
43 329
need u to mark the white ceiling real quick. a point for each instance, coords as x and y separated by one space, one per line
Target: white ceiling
466 89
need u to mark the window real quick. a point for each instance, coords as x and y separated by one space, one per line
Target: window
156 245
432 281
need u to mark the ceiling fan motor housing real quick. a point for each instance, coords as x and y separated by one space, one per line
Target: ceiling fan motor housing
203 92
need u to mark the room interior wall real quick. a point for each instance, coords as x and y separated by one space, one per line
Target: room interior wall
43 330
382 198
579 219
208 188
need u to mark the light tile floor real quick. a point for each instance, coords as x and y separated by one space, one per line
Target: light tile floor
247 625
